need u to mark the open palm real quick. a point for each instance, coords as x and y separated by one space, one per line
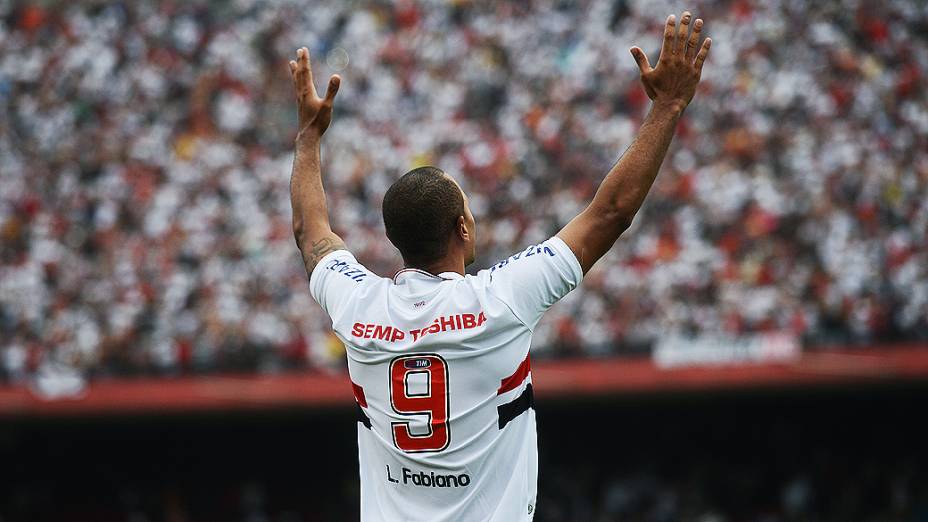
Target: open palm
679 67
315 112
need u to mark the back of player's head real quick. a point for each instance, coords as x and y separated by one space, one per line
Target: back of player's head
420 212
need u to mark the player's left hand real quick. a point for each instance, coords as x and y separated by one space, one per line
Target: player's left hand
315 112
679 67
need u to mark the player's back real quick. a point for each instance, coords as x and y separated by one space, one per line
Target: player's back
440 370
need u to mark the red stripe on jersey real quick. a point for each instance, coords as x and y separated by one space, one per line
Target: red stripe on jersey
359 394
513 381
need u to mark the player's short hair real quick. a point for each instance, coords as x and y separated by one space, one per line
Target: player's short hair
420 212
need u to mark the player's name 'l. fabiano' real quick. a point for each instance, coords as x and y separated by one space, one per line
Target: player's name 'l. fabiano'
430 480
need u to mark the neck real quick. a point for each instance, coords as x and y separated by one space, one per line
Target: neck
443 265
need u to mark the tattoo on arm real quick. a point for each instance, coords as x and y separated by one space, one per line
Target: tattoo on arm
318 249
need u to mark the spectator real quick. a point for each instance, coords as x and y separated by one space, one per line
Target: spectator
145 149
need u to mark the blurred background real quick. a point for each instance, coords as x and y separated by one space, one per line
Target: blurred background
755 347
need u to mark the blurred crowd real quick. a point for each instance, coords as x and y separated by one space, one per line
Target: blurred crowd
850 455
146 146
697 489
703 489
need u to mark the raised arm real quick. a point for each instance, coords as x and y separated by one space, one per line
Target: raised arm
311 227
671 85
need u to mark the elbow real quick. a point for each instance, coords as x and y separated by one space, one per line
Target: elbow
616 219
298 230
624 222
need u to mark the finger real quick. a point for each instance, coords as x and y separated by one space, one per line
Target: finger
299 72
642 60
332 89
292 66
703 53
680 40
304 72
693 43
669 32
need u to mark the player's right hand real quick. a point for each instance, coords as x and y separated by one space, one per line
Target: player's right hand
315 112
679 67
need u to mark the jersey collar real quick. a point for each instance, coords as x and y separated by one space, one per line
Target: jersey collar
422 274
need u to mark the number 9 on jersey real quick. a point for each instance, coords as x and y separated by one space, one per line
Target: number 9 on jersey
429 399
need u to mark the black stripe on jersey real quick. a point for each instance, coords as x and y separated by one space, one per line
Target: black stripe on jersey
513 409
362 417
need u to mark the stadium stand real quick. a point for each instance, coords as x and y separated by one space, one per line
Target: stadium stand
145 150
160 355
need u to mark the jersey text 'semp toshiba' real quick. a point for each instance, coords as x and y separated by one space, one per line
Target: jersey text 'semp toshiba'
441 374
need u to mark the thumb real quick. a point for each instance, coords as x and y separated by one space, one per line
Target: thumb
642 59
332 89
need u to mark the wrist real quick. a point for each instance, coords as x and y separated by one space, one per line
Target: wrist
672 107
308 135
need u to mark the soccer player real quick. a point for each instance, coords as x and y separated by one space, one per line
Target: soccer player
439 360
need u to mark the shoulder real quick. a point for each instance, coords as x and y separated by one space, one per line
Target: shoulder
338 278
533 279
550 253
342 263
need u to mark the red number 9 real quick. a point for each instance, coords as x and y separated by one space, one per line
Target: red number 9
433 403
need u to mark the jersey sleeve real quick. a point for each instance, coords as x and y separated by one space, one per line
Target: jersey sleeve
335 279
532 280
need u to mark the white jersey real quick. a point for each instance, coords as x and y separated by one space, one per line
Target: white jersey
441 374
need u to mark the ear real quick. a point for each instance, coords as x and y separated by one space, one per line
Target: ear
463 233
